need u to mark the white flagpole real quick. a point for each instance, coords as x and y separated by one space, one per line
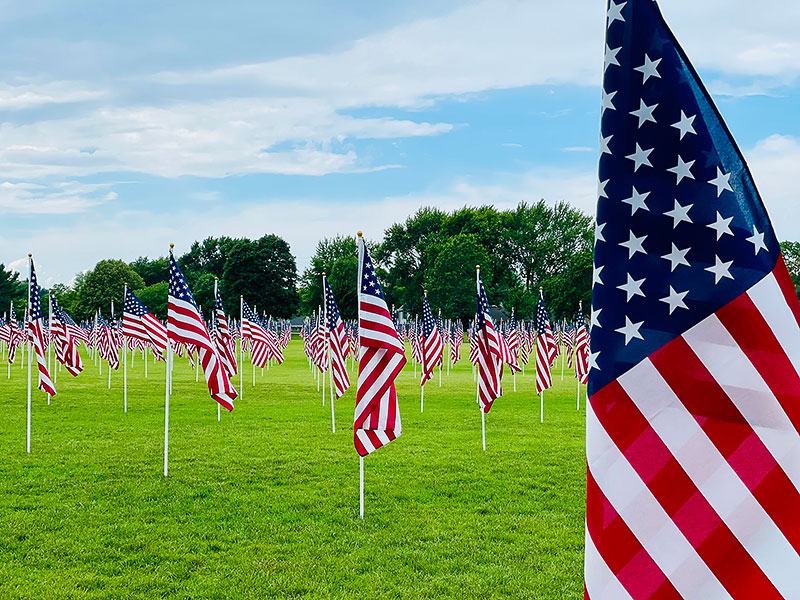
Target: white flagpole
477 366
111 341
124 358
483 427
49 335
241 346
361 487
10 308
421 397
578 396
541 406
166 408
416 324
27 342
214 321
145 353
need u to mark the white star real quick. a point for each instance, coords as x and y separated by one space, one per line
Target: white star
632 287
615 12
634 245
721 226
601 188
604 141
593 356
679 214
757 239
598 232
722 181
720 269
637 201
596 276
649 68
685 125
682 169
675 299
677 257
631 330
595 318
608 101
644 112
640 157
610 57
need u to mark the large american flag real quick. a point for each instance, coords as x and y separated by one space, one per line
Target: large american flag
544 348
36 333
490 359
140 324
431 344
337 340
381 358
692 426
185 326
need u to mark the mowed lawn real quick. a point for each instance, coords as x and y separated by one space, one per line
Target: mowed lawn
264 504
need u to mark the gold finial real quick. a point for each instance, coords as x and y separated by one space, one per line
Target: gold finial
171 246
540 289
216 278
580 304
426 292
360 233
29 254
323 273
477 267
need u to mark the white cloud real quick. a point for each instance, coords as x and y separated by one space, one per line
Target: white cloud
774 162
33 94
26 198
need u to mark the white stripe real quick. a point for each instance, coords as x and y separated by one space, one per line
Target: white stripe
713 476
652 526
771 303
601 583
740 380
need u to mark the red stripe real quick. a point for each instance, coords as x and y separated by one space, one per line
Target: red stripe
781 274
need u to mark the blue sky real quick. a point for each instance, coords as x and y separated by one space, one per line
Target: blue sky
126 126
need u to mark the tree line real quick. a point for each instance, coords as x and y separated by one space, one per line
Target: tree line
520 250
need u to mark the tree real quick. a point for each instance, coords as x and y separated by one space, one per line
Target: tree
11 289
104 283
565 289
265 272
151 270
336 257
451 285
67 298
791 255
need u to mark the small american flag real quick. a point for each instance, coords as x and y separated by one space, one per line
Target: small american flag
338 345
36 333
431 344
65 340
581 349
490 359
140 324
185 326
381 358
544 348
226 346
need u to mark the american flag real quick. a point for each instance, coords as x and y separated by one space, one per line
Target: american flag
569 344
581 348
107 343
692 426
36 333
524 351
544 348
65 339
381 358
256 332
140 324
338 345
15 334
185 326
431 344
490 359
226 346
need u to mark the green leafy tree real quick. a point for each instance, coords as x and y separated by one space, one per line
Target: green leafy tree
151 270
791 254
104 283
452 280
573 284
336 257
11 289
154 297
67 298
265 272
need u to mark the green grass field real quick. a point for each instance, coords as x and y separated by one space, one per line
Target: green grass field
264 504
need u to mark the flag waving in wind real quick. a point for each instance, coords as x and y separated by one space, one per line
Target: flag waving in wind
381 358
185 325
140 324
693 421
36 332
337 338
490 359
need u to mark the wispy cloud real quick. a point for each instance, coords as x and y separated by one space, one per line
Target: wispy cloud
26 198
